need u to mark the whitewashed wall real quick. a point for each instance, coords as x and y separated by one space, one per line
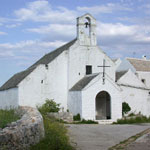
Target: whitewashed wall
80 56
134 92
75 102
32 92
89 95
9 98
146 76
138 99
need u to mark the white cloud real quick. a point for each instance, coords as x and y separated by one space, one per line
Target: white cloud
3 33
41 11
13 25
56 31
6 54
107 8
29 47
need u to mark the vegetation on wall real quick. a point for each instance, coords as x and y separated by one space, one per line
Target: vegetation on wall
7 116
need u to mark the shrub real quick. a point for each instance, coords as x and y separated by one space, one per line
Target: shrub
55 136
125 108
138 119
7 116
49 106
77 117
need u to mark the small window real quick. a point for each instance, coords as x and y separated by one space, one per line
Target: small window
42 81
46 66
88 69
143 80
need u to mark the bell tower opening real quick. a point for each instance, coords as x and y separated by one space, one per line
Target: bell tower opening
86 30
87 26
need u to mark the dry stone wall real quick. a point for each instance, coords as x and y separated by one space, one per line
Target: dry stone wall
27 131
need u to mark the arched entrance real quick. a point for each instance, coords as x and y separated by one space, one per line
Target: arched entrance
103 106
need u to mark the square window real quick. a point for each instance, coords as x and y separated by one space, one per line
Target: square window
88 69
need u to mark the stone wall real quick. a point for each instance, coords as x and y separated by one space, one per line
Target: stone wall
21 134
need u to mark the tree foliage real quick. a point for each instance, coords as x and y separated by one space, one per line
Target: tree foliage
125 108
49 106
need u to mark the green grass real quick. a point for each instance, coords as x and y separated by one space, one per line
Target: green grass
138 119
7 116
55 136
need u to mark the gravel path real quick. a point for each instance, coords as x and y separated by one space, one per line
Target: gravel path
101 137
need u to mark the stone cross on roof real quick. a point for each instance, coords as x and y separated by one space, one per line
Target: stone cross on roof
103 66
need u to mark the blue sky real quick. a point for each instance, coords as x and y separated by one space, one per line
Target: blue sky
31 28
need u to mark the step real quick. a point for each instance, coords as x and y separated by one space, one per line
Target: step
105 121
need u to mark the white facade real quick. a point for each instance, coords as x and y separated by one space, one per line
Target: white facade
9 98
63 76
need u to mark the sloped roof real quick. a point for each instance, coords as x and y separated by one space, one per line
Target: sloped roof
114 60
52 55
140 64
120 74
17 78
83 82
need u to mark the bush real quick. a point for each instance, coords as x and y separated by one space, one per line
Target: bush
49 106
55 136
138 119
77 117
125 108
7 116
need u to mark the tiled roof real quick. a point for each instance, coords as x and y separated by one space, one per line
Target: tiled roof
119 74
140 64
83 82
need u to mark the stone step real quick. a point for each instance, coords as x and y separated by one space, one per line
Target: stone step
105 121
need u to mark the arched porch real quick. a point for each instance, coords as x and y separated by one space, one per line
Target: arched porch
103 106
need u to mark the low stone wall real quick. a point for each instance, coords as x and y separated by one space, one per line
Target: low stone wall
65 116
27 131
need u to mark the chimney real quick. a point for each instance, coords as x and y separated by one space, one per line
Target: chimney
144 57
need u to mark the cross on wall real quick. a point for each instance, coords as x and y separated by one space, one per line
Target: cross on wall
103 66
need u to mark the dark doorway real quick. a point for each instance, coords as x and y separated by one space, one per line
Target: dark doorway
103 106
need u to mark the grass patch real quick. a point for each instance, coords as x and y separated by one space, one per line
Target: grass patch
136 119
7 116
55 136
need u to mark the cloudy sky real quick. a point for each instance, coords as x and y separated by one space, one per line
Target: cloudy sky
31 28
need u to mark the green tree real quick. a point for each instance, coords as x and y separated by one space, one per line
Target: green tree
49 106
125 108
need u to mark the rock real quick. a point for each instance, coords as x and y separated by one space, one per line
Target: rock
21 134
65 116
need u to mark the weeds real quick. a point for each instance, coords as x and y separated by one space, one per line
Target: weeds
7 116
55 136
136 119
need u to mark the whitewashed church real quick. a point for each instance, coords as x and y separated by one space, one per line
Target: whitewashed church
83 79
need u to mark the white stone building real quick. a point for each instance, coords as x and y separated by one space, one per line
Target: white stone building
82 78
133 76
